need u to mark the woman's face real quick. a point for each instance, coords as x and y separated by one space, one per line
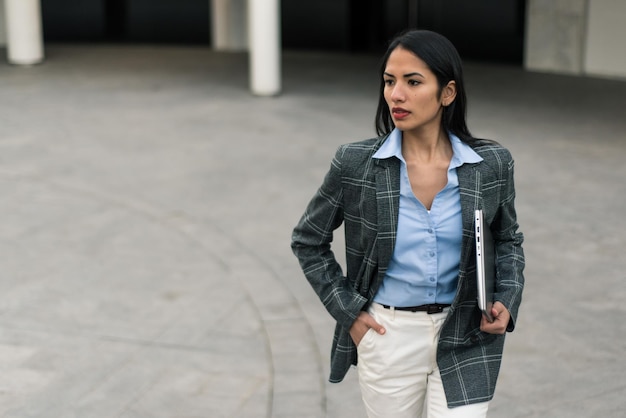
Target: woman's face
412 92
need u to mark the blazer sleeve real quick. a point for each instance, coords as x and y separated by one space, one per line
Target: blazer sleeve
311 244
510 255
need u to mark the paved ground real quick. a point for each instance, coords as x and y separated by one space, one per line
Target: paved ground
147 207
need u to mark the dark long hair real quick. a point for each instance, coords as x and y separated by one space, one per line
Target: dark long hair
444 61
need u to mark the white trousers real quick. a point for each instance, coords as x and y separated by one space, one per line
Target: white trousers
398 371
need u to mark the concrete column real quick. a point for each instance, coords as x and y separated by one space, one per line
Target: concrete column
606 35
265 46
555 33
24 31
3 34
228 25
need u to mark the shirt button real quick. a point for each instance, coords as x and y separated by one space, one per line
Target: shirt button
430 230
432 253
432 279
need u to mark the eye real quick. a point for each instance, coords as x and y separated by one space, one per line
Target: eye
414 82
388 82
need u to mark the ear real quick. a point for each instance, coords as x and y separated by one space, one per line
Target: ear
448 93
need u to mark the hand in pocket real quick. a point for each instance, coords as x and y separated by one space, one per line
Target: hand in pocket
362 324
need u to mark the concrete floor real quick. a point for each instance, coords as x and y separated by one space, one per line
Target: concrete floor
148 201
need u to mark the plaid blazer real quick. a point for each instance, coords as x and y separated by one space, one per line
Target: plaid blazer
363 193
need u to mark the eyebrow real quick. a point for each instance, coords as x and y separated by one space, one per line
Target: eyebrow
405 75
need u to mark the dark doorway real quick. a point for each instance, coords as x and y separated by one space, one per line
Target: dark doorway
142 21
491 30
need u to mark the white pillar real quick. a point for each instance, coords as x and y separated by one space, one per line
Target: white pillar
228 25
265 46
24 31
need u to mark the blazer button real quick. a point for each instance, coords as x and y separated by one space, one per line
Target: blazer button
474 338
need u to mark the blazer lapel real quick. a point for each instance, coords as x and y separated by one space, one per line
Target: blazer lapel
471 199
387 173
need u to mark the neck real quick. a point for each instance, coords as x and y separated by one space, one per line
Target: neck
426 146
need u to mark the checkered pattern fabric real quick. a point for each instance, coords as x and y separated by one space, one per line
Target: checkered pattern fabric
363 193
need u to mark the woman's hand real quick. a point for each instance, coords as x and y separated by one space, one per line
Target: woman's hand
362 324
501 317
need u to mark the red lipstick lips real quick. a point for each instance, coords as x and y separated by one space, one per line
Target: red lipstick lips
399 113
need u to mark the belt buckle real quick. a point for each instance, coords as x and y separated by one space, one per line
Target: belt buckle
433 309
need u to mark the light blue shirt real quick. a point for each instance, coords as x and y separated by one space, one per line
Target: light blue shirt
424 267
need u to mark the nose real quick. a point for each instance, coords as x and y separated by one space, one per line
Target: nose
397 93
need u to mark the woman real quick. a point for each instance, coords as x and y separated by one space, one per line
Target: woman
406 310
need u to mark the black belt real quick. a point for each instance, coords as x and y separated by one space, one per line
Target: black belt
429 309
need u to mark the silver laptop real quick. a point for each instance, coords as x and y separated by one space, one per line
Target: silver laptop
485 264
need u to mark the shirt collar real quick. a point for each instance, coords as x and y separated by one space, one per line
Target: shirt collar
461 152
